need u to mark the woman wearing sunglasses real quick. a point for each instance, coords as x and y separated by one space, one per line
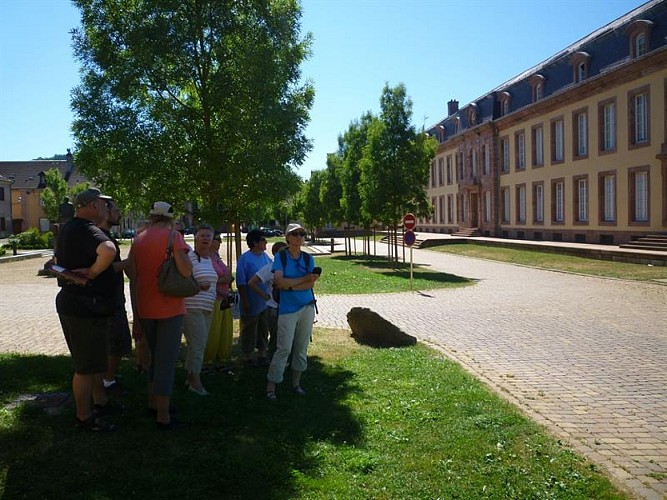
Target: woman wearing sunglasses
296 311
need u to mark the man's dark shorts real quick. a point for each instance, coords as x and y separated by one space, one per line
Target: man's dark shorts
119 337
87 342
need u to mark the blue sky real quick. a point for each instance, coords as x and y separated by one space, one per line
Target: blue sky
440 50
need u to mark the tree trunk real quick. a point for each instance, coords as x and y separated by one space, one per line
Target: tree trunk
237 239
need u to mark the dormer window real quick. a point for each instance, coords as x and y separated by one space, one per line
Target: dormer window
579 61
457 125
537 84
640 44
639 34
504 98
472 114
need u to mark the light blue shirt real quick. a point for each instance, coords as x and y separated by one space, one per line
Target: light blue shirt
292 301
248 264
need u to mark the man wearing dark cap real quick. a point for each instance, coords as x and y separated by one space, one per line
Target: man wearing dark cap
119 339
85 311
254 320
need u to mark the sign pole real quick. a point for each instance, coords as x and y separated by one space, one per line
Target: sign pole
411 285
409 223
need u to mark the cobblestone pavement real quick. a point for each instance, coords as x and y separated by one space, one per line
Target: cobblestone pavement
584 356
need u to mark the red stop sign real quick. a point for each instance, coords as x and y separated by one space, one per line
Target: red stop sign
409 221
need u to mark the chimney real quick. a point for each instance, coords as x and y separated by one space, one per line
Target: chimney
452 107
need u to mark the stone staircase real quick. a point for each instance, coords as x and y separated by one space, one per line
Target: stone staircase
649 242
389 239
467 232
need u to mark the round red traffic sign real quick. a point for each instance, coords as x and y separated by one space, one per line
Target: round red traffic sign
409 221
409 238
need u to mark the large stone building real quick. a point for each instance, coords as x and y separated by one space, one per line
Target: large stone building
573 149
22 182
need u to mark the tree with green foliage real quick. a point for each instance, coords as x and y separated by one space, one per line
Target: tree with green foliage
54 157
350 148
395 163
310 207
54 192
331 190
195 101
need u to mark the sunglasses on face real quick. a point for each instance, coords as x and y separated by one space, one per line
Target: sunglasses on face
300 234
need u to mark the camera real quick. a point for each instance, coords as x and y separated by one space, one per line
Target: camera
317 270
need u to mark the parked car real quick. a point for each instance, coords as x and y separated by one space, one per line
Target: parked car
129 233
268 231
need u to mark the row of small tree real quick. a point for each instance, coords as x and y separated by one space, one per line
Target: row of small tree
379 173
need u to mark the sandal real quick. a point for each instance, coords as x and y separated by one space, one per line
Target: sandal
271 395
298 390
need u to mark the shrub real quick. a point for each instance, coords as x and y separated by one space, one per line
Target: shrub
32 239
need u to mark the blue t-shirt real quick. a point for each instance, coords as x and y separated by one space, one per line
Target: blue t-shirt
292 301
246 267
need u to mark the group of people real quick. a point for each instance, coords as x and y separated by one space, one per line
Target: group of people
276 307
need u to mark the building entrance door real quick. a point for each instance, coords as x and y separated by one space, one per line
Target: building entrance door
474 210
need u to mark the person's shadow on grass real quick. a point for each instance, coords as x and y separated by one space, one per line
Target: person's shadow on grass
237 444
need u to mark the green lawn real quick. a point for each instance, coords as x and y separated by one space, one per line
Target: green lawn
376 423
558 262
364 274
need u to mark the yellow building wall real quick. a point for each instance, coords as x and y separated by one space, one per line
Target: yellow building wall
621 161
27 206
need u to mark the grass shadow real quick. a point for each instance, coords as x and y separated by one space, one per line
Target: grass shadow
238 444
401 270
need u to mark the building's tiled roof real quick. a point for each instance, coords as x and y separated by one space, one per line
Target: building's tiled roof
607 45
583 43
25 174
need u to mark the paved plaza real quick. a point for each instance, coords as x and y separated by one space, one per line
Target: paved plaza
585 356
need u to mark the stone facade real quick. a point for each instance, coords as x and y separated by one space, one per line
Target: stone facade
573 149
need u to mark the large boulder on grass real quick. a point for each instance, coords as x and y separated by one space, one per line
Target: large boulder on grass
370 328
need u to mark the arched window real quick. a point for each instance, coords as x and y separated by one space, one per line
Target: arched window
504 98
457 125
472 114
537 84
639 36
579 62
